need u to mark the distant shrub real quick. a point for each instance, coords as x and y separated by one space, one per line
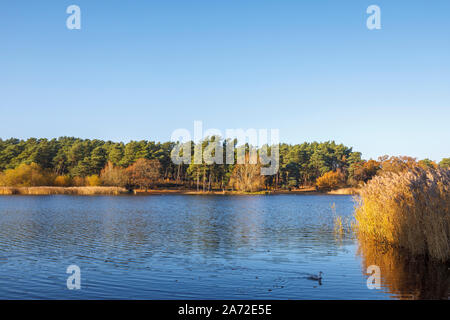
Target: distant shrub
79 181
409 209
330 180
63 181
26 175
93 181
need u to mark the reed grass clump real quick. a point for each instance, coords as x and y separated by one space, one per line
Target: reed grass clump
342 225
338 226
410 210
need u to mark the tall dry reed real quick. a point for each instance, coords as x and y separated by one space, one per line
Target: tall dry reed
409 210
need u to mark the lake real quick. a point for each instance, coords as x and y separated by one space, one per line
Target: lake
196 247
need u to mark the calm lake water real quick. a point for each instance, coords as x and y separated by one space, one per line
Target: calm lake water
196 247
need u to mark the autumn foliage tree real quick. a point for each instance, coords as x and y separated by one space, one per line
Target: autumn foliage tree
363 171
144 173
445 163
396 164
27 175
330 180
427 164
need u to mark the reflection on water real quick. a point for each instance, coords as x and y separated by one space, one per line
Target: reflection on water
405 276
190 247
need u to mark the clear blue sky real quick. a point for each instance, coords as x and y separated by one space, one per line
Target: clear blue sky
141 69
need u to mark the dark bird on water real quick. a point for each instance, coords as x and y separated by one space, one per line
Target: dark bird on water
316 277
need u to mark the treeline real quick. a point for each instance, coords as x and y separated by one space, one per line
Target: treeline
69 161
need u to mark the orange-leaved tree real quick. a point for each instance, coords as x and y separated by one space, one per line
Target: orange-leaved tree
330 180
144 173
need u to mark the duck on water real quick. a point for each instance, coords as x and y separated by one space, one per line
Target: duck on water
316 277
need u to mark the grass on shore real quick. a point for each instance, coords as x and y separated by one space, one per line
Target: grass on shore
409 210
50 190
62 190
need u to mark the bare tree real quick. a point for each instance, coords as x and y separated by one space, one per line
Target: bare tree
114 176
247 177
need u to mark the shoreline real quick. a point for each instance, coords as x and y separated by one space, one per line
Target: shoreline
6 191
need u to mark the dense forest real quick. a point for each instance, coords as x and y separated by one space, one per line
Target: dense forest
69 161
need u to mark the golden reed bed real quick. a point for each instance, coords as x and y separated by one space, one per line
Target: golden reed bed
85 191
409 210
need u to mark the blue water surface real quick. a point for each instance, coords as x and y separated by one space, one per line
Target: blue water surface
179 247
